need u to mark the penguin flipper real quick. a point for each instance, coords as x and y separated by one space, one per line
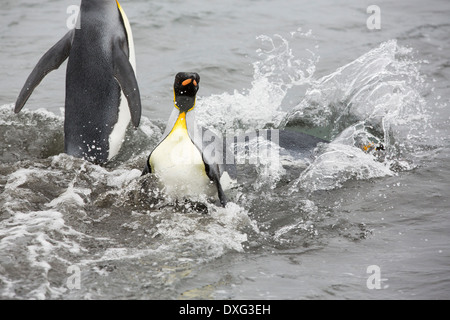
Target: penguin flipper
222 197
124 74
50 61
147 168
213 173
212 149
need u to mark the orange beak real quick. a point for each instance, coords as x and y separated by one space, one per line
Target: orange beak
187 81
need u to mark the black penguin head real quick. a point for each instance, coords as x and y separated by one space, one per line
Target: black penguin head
185 88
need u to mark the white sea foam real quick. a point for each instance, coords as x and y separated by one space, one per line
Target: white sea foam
26 117
70 196
212 235
31 234
337 164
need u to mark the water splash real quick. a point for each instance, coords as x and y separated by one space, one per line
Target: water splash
337 164
375 100
275 72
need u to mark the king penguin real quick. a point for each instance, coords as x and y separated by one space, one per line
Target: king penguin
185 160
102 93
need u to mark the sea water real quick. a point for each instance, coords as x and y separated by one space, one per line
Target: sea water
347 222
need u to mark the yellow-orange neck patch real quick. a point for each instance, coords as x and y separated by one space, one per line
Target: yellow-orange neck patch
181 122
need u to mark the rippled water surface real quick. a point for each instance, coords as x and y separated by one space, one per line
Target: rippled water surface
295 228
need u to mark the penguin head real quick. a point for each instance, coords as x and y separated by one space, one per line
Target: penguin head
185 89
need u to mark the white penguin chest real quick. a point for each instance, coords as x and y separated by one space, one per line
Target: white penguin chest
179 165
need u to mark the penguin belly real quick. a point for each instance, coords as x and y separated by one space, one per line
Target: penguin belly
179 165
117 135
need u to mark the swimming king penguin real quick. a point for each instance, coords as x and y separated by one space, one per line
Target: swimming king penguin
185 160
102 93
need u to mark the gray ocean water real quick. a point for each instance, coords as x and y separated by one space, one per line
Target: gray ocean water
345 223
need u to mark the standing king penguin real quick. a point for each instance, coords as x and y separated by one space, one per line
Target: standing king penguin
184 159
102 93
